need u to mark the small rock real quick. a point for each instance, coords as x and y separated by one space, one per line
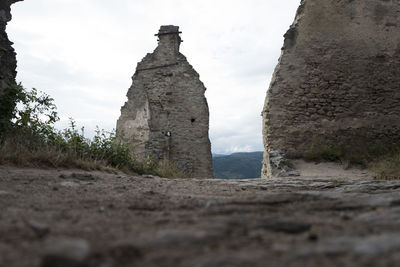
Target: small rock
78 176
40 229
373 246
289 174
330 247
346 217
69 184
367 247
83 176
2 193
125 252
284 226
281 247
147 176
176 238
208 204
313 237
395 202
65 253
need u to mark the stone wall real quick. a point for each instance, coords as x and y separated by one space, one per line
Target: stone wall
338 79
166 116
8 62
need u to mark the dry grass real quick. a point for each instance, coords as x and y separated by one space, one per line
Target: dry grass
170 170
17 154
387 168
380 156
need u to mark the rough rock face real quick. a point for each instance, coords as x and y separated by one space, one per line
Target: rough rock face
8 62
337 81
166 116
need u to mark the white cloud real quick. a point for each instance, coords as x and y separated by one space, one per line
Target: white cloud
83 53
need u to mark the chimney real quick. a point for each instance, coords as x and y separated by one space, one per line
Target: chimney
168 38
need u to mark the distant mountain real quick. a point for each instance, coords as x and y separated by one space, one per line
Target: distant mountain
238 165
219 155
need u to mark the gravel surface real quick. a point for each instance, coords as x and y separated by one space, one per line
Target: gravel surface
53 218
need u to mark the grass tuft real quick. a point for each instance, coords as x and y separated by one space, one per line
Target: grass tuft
387 168
170 170
380 156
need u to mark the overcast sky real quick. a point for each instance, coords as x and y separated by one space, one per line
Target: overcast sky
84 53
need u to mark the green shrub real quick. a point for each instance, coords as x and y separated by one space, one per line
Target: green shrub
30 139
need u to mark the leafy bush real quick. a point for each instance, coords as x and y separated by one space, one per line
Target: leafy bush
7 105
30 139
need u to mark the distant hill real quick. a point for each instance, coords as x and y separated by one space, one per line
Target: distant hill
219 155
238 165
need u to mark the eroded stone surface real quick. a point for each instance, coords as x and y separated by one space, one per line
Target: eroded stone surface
337 81
121 220
166 116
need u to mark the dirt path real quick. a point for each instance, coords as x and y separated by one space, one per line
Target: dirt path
73 218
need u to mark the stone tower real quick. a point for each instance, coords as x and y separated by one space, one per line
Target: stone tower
166 116
337 82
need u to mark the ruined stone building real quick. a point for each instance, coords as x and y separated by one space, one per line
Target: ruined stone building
337 81
8 63
166 116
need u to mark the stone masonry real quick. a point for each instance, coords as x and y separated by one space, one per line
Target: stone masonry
166 116
338 79
8 62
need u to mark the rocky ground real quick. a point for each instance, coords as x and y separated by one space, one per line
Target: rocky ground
53 218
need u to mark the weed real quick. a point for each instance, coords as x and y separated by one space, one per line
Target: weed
338 181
